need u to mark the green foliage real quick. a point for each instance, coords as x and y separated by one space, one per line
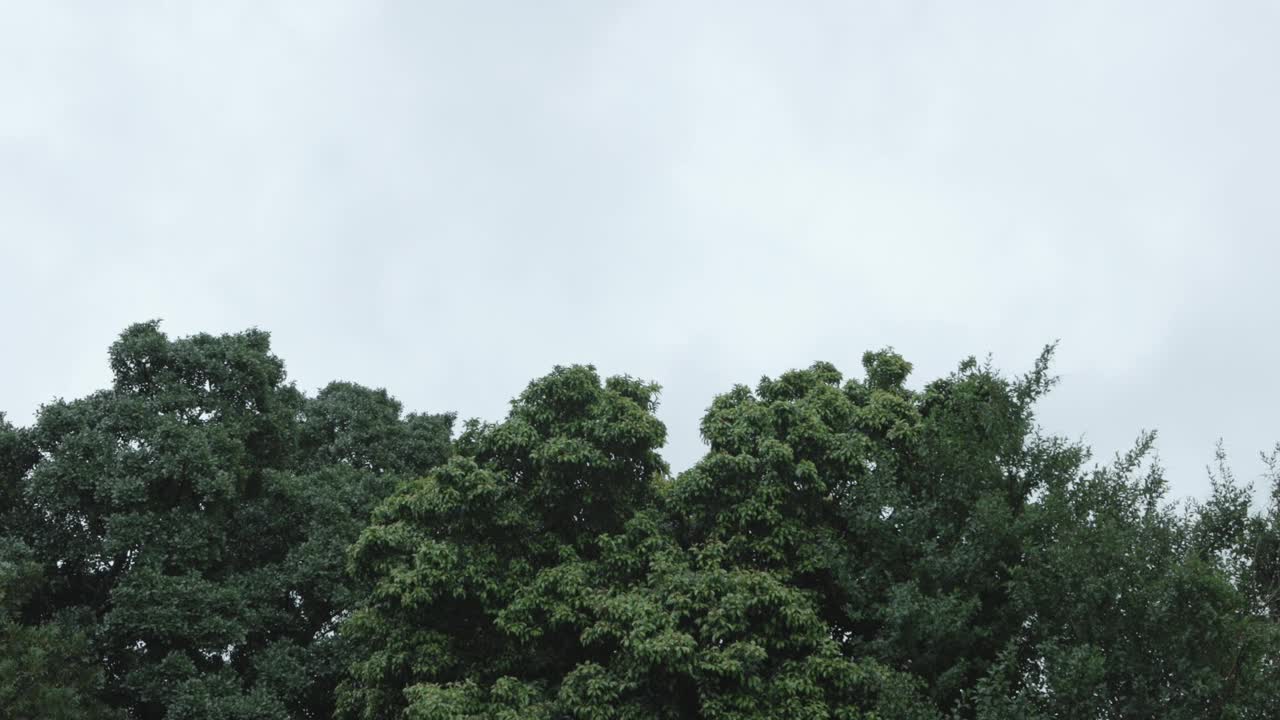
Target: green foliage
547 560
189 525
449 553
1128 614
202 540
894 509
47 667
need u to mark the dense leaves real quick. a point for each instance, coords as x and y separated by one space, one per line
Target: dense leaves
449 554
187 527
203 540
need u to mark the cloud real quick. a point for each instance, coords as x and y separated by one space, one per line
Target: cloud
447 200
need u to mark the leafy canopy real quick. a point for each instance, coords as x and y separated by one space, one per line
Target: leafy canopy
204 540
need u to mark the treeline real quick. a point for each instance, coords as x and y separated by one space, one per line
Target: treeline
203 540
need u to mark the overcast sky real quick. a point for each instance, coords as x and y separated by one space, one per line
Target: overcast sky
447 199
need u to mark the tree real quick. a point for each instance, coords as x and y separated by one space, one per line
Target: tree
1132 610
447 553
891 508
539 575
202 540
193 517
47 667
940 534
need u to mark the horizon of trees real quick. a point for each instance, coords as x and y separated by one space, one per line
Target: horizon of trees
203 540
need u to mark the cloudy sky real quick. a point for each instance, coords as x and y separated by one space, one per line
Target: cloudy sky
447 199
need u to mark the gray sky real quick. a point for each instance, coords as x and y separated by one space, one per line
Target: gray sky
446 199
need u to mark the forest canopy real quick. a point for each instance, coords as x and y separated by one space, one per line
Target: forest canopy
202 539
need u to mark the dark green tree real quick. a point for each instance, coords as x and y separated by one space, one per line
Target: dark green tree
1132 609
47 667
447 553
540 575
190 523
891 508
939 533
202 540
